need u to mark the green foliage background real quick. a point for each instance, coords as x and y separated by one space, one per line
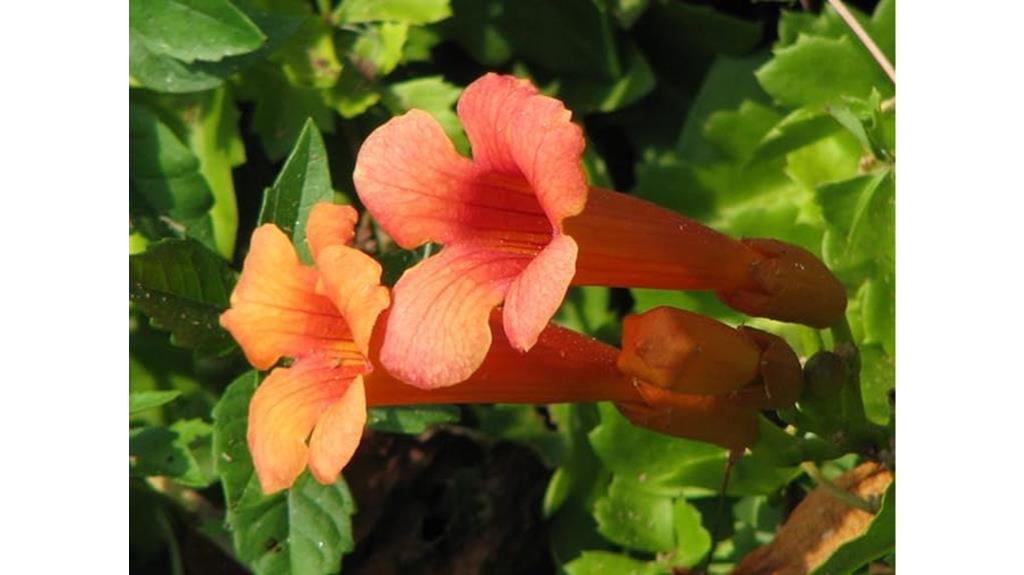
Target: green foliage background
764 121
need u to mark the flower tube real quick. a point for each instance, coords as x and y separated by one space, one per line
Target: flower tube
519 225
702 379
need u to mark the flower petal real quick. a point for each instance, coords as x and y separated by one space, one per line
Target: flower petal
408 174
337 434
329 225
351 279
516 131
438 332
275 310
534 296
282 413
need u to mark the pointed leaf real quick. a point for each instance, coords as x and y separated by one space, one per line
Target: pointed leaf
304 180
194 29
144 400
183 287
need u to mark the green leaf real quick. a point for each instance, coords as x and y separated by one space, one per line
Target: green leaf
283 109
304 530
738 133
144 400
877 541
636 518
817 71
800 128
412 419
672 465
588 310
183 287
431 94
166 74
475 26
303 181
861 214
168 452
194 29
877 379
309 58
377 48
608 563
523 424
692 540
167 193
599 95
407 11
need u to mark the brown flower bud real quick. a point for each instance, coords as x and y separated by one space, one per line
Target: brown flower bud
795 286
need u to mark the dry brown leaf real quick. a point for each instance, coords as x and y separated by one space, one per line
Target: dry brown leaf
818 526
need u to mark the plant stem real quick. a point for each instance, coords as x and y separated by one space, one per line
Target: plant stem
836 491
865 39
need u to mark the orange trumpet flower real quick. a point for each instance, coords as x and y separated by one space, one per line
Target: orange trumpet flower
519 225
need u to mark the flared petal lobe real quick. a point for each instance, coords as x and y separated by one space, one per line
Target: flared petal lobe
283 412
536 293
337 434
515 131
275 310
437 332
330 225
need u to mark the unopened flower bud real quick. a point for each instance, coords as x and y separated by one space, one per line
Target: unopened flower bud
795 286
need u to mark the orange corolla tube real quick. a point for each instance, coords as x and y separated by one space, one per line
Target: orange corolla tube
519 224
702 379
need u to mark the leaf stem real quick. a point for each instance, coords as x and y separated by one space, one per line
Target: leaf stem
865 39
835 491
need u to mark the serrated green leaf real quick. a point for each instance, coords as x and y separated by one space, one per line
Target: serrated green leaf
412 419
167 192
183 287
581 478
309 58
737 133
672 465
800 128
818 71
144 400
608 563
692 540
877 541
407 11
303 181
304 530
194 29
376 48
166 74
860 213
168 452
635 518
163 73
